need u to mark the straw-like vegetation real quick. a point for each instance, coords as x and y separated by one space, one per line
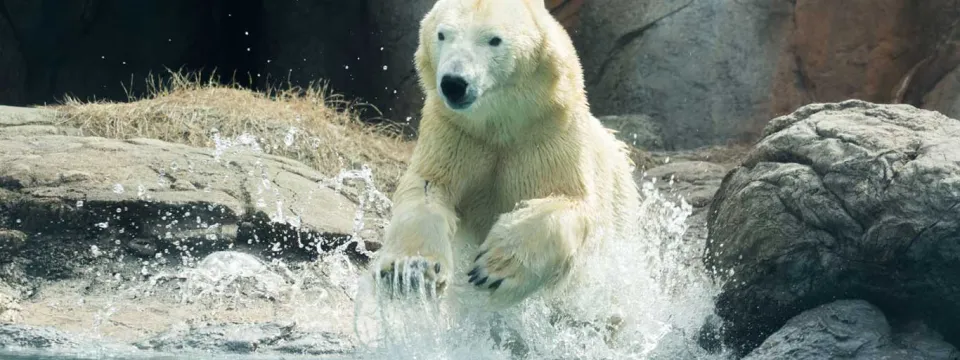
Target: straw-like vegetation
310 125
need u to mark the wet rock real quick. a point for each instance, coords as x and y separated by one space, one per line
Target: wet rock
263 338
34 337
225 273
850 199
10 310
10 242
851 329
67 193
637 129
693 181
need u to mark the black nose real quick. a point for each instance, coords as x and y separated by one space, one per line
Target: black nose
453 87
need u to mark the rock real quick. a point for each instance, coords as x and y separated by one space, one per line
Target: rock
702 70
830 57
10 243
69 193
32 337
10 310
849 199
18 121
567 12
636 129
945 97
694 181
225 273
262 338
850 329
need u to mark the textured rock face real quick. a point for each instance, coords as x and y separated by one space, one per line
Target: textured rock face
65 193
945 97
713 71
833 57
847 199
851 329
703 70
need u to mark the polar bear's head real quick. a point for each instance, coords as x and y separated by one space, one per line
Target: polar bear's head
480 57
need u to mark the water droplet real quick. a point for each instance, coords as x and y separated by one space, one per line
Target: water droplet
117 188
384 67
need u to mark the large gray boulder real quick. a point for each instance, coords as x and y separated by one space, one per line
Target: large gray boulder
702 70
851 329
69 198
849 199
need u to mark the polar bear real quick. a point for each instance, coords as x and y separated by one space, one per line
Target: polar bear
509 161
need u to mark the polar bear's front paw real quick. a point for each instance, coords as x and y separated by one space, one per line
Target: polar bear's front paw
502 272
411 275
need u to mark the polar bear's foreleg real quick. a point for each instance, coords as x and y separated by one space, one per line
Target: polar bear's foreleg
530 247
417 252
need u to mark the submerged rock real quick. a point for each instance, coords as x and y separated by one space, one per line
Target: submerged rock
33 337
851 329
264 338
839 200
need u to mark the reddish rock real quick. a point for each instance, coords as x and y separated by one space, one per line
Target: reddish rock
883 51
566 11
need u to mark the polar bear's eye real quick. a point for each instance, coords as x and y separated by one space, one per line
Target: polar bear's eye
440 36
495 41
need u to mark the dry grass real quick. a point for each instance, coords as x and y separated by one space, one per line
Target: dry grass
185 109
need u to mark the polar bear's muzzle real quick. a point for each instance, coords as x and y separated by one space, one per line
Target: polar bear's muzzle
457 92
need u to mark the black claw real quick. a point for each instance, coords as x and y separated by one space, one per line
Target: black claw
479 255
481 281
496 284
437 268
473 272
384 273
472 278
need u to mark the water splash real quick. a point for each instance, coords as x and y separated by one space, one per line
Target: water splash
644 297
